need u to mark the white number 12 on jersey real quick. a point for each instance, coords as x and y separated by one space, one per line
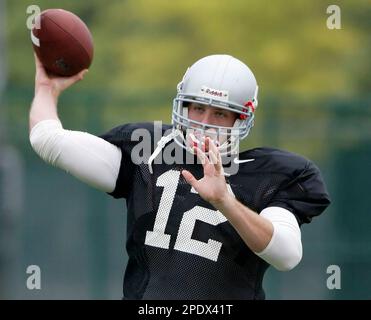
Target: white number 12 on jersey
158 238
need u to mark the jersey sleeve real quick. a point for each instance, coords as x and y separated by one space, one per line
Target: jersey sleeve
305 195
121 137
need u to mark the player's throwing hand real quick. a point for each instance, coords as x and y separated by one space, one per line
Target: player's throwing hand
55 83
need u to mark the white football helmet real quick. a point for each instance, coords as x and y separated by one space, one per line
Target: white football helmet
220 81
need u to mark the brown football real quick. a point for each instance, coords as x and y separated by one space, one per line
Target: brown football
62 42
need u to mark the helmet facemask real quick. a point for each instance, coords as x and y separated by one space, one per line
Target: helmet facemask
194 132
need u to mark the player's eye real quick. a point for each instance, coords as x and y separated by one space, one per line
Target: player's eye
199 108
220 114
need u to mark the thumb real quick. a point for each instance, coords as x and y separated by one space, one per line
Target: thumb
79 76
189 178
69 81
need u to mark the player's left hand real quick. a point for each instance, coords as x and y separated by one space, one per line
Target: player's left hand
212 187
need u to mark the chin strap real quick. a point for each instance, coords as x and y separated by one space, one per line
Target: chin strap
160 145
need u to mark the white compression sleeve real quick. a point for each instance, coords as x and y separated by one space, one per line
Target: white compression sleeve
85 156
284 251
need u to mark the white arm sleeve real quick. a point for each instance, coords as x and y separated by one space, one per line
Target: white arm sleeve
85 156
284 251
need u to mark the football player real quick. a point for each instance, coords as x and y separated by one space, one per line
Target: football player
196 229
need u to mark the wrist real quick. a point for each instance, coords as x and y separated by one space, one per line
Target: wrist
46 89
224 201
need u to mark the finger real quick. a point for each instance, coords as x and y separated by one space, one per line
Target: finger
67 82
207 141
213 158
219 164
189 178
212 146
40 69
84 72
201 156
215 151
80 76
37 61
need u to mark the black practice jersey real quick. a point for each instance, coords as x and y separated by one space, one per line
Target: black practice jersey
179 246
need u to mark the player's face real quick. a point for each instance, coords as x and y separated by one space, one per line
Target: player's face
211 115
208 116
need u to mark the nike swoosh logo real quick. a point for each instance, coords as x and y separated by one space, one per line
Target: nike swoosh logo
238 161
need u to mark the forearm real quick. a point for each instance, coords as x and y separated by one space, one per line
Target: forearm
254 230
44 105
274 235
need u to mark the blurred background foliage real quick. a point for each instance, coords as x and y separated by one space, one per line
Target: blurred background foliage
314 100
